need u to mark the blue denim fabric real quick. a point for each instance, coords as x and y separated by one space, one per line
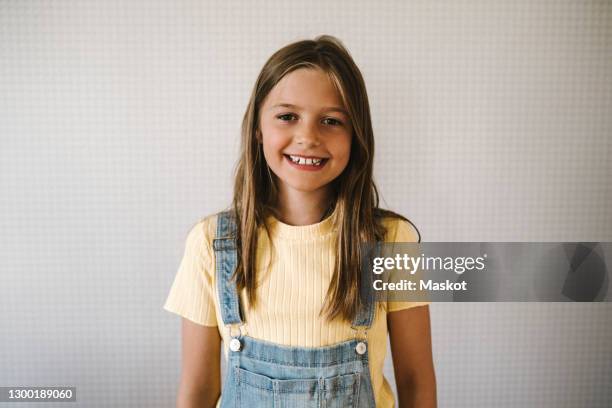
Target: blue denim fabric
264 374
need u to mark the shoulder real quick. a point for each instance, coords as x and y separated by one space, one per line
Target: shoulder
202 232
399 229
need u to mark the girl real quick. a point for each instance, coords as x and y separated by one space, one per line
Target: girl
277 276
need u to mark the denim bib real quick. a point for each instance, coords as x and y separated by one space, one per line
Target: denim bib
264 374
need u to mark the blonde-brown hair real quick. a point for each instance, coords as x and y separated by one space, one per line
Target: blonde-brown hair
355 198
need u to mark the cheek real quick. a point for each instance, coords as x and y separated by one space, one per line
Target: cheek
273 144
342 149
273 138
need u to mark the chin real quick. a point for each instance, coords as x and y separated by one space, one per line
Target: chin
305 187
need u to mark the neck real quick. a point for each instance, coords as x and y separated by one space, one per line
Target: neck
297 207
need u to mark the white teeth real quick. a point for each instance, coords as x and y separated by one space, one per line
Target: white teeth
305 161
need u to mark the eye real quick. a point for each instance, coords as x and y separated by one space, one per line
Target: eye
335 122
284 116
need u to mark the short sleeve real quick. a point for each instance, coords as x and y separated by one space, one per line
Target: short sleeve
191 294
403 231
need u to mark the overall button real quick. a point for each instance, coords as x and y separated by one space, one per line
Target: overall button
235 345
360 348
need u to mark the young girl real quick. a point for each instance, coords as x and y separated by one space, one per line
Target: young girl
277 276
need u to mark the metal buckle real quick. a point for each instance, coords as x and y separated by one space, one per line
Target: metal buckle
363 330
239 326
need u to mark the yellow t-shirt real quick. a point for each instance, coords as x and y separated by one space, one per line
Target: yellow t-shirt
291 293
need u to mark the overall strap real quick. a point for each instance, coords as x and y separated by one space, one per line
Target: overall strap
226 260
365 315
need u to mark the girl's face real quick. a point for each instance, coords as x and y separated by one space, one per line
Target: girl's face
305 131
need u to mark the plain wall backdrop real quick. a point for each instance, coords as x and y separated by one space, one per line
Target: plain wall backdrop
119 129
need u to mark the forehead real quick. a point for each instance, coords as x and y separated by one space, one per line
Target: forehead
306 88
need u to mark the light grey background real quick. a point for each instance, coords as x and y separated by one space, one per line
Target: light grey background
119 125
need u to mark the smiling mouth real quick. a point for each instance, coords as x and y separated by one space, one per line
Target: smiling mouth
306 161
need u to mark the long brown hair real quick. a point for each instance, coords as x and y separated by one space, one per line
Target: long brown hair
355 199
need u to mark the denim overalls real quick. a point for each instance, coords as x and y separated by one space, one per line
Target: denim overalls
264 374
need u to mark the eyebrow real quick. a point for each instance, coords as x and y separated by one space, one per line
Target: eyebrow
328 109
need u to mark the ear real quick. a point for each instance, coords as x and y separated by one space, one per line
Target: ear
258 136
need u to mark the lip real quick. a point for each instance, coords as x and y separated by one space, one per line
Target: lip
305 157
306 167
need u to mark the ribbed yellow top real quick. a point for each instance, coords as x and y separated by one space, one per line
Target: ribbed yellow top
291 292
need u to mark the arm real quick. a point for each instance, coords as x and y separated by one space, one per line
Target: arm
200 384
410 337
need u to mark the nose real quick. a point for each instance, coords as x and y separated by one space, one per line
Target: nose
307 135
